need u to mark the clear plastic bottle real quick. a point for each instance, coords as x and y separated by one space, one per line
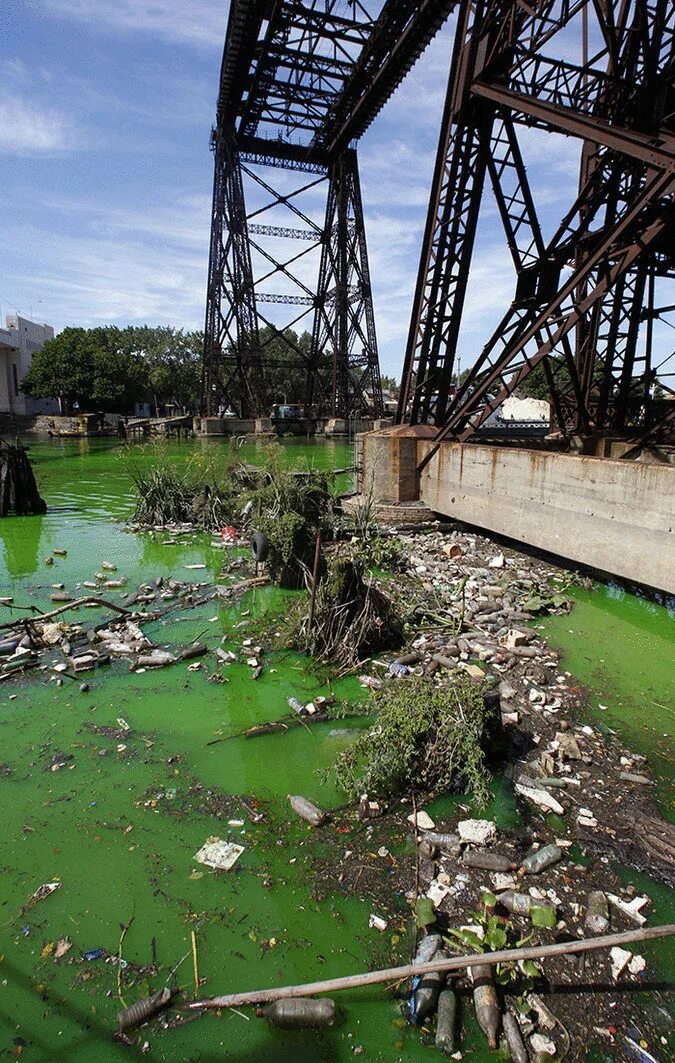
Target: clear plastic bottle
487 861
307 810
596 919
541 859
300 1013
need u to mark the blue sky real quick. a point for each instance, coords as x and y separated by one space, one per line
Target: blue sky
105 113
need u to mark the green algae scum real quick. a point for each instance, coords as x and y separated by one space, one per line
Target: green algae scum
111 792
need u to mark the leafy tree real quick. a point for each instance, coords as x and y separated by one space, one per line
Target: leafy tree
170 362
390 383
112 369
85 366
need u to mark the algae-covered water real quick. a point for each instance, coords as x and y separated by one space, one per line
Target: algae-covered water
119 825
621 646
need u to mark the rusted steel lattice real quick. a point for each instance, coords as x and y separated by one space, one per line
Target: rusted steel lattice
300 82
586 297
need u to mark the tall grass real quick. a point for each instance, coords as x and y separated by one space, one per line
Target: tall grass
194 494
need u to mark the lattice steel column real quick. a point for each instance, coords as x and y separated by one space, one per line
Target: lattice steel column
232 366
344 325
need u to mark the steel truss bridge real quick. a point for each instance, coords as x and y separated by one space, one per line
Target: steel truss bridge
300 83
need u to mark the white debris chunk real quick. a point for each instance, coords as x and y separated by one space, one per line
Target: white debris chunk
477 831
437 892
218 854
421 820
637 965
542 798
542 1045
377 923
632 910
619 959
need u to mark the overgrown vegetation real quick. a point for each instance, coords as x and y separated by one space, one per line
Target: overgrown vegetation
369 545
426 739
380 551
195 494
556 600
289 508
352 618
499 932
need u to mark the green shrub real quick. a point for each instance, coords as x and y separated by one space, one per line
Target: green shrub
425 739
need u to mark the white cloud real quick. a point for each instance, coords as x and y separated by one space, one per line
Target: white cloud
26 128
199 22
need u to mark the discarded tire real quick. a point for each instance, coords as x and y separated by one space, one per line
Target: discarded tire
260 546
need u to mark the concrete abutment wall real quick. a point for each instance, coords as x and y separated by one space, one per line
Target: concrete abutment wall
612 515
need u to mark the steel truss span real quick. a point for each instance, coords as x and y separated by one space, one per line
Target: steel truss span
301 80
587 298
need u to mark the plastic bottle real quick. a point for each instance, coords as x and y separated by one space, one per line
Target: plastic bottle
520 903
427 991
485 1002
427 948
446 1021
487 861
307 810
540 860
397 670
596 919
427 849
514 1039
300 1012
448 842
296 705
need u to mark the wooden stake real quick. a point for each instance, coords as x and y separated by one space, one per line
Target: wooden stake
457 963
315 580
195 964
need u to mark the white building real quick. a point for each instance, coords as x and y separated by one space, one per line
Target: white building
19 341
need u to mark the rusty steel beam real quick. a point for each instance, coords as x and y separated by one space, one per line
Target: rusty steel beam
630 142
580 299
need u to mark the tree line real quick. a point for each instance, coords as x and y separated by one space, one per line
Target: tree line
111 369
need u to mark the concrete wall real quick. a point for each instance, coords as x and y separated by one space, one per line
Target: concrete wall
223 426
18 343
616 516
387 462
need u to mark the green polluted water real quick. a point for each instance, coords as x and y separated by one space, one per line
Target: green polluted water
119 824
622 648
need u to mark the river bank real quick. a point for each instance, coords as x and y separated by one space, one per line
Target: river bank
265 922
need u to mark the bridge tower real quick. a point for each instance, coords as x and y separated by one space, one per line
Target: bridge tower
289 298
589 293
289 302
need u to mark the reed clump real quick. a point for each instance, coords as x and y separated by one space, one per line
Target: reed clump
197 494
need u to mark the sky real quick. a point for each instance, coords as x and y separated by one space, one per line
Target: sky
106 108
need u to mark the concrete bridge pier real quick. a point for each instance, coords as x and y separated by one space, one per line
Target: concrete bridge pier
612 515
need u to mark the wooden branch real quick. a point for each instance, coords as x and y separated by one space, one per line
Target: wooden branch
457 963
41 617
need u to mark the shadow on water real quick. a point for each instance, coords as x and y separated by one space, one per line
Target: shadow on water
21 544
285 1046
